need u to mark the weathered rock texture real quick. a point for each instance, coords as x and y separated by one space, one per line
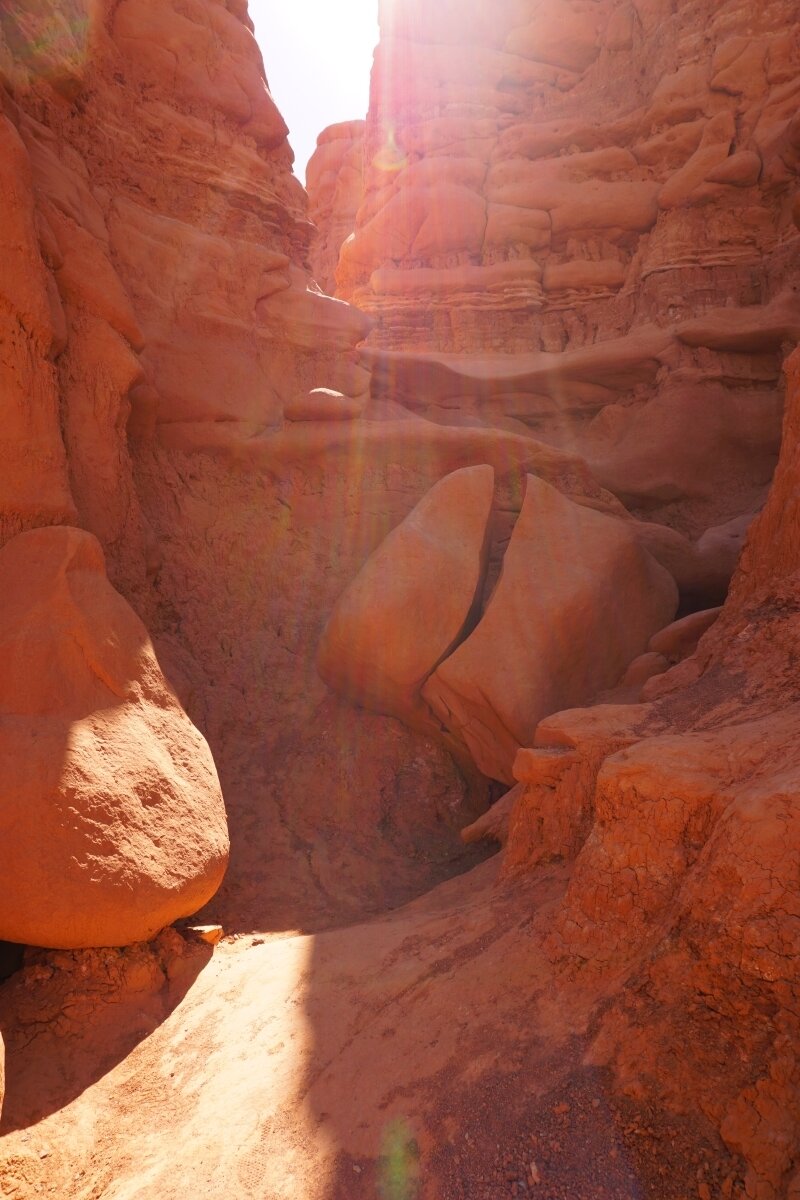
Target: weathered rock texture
580 224
113 824
542 158
578 243
681 821
104 211
577 224
335 181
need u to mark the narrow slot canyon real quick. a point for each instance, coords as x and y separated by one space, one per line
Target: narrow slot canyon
399 593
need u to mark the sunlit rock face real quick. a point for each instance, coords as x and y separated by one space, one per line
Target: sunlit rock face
545 173
577 223
335 182
372 577
115 825
164 351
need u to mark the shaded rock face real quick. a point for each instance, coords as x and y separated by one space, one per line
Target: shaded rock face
162 354
425 632
579 223
191 399
103 210
412 601
577 599
678 816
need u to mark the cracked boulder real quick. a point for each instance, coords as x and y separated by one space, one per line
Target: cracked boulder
577 600
112 823
413 599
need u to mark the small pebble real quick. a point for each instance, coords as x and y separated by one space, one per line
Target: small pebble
211 934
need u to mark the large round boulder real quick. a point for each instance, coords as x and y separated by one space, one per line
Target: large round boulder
112 823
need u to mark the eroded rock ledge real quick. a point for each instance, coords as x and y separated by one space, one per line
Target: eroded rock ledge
473 495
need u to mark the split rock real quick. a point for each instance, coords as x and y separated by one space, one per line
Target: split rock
577 600
413 598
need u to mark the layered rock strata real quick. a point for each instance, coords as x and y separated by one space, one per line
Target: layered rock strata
577 224
577 243
605 260
516 165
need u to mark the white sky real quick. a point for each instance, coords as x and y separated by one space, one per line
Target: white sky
318 56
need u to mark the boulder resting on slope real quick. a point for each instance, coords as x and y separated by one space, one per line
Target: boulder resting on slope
112 823
411 601
577 600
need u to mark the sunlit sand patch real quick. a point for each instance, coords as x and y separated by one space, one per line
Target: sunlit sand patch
226 1069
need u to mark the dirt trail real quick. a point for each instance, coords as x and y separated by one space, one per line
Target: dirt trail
426 1053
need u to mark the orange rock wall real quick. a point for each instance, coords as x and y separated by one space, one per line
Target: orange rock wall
153 237
581 218
543 174
772 553
577 225
577 240
335 182
158 319
679 818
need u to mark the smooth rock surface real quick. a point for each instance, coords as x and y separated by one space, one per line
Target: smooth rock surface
577 599
680 639
413 599
113 820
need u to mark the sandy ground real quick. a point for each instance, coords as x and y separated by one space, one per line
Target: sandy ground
425 1053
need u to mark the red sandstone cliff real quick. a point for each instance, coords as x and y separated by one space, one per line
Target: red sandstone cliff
162 343
577 242
540 176
577 224
335 182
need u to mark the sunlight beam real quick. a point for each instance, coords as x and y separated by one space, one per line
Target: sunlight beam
317 57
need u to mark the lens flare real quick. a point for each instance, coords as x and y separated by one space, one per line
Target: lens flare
399 1163
50 41
391 157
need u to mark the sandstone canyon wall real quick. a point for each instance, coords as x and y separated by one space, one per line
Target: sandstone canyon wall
381 548
335 182
580 221
565 208
578 227
177 387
